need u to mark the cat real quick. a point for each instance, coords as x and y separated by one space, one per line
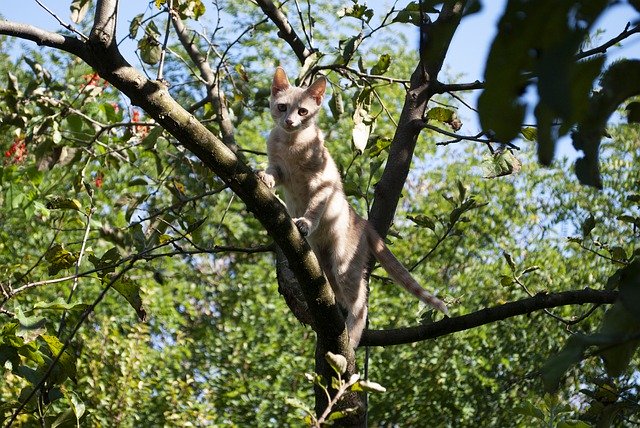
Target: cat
341 240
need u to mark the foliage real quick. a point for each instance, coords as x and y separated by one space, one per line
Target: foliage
137 289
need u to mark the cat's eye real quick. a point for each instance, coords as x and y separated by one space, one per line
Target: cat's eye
303 111
282 107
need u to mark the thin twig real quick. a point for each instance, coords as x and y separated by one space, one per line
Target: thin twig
74 286
61 22
304 29
603 48
166 40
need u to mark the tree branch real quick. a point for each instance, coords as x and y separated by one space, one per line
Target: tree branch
485 316
286 32
603 48
438 36
454 87
44 38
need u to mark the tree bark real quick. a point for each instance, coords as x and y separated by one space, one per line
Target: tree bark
486 316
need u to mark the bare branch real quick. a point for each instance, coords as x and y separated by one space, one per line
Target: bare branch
287 33
603 48
44 38
454 87
485 316
103 32
60 21
438 36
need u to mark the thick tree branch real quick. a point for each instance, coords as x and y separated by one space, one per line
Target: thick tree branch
437 36
485 316
44 38
286 32
103 32
102 53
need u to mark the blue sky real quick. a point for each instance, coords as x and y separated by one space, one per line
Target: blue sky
466 56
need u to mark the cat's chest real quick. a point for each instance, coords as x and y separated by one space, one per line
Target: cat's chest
301 169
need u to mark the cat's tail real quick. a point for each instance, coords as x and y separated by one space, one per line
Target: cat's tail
398 272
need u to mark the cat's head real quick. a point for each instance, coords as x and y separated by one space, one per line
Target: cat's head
294 108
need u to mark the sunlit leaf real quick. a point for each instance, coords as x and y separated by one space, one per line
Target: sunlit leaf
66 361
59 258
500 163
382 65
130 290
337 362
79 9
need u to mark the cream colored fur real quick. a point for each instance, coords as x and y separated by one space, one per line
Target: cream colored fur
341 240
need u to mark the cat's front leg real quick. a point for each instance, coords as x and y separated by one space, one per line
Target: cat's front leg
315 210
304 225
271 176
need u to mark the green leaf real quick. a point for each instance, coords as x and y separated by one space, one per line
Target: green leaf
629 286
510 261
130 290
445 115
619 325
618 253
66 365
59 258
59 203
528 409
135 25
334 416
529 133
616 88
368 386
152 137
33 322
411 13
75 122
59 304
379 145
423 221
66 419
358 11
349 47
192 9
382 65
336 105
337 362
107 263
79 9
336 383
556 366
506 280
587 225
500 163
149 47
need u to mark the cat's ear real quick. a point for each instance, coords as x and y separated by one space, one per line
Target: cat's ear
317 88
280 81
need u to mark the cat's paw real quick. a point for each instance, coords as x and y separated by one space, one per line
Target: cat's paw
268 179
304 225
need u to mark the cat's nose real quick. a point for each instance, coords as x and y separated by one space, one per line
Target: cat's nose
289 122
